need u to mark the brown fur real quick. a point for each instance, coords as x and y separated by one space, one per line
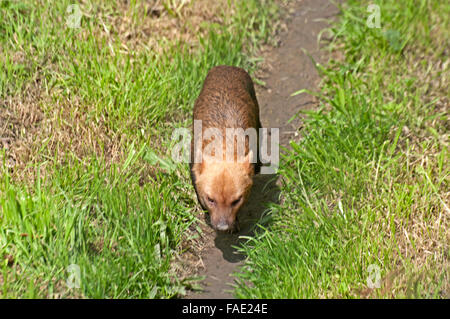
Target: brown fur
227 100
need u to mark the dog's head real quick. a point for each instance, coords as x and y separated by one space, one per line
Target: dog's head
223 187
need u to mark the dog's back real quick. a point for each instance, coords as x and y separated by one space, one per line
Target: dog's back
227 100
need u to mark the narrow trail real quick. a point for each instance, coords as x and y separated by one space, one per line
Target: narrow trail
290 70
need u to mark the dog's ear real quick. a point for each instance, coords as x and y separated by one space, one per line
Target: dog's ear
205 159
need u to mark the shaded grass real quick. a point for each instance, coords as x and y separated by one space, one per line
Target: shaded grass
367 185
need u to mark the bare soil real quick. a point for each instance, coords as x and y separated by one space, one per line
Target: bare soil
287 69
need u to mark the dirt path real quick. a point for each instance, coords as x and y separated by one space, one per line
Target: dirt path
289 70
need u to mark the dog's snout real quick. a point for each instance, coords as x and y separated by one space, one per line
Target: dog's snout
222 225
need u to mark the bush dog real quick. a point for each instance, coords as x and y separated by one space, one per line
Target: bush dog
222 184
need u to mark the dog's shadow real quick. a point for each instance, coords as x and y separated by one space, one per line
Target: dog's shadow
264 192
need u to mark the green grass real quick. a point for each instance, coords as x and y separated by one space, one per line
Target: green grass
119 233
87 189
367 184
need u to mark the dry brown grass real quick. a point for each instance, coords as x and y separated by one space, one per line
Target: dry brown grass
32 136
20 120
155 24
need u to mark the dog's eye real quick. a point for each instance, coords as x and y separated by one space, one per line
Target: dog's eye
210 200
235 202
